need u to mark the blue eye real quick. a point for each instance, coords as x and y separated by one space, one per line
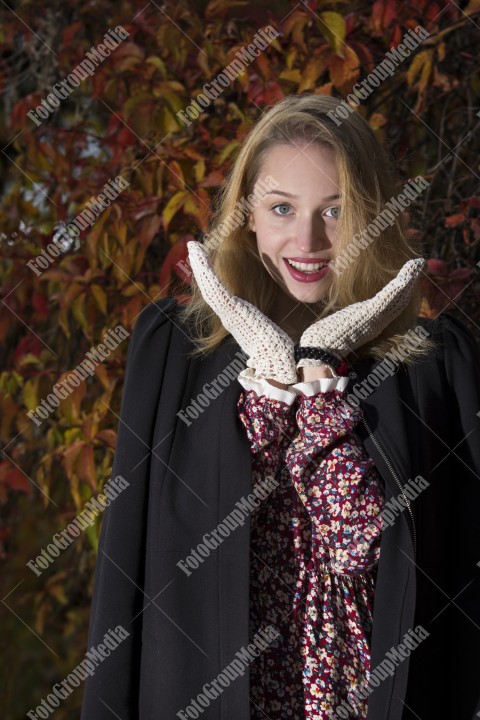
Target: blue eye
284 205
337 209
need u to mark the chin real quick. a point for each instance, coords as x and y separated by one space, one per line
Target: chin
306 295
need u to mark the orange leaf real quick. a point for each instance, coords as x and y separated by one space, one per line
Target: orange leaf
454 220
109 437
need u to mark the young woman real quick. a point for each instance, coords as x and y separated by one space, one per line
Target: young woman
299 537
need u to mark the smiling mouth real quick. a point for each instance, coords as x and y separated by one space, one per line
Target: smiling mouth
307 267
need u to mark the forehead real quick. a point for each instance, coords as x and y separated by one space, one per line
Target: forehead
301 167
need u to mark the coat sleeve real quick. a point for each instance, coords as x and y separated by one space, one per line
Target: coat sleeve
462 402
119 576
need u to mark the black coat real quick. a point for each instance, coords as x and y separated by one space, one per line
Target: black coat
185 479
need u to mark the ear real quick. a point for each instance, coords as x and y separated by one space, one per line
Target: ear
251 223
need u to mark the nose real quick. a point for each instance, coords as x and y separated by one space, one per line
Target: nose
311 234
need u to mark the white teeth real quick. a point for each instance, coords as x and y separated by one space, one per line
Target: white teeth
306 267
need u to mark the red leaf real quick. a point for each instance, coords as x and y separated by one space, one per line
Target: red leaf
176 264
109 437
41 306
13 478
437 267
70 34
28 344
454 220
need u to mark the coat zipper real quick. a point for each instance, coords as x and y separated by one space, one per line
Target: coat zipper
389 465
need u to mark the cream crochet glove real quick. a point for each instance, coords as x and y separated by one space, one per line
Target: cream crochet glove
270 349
357 324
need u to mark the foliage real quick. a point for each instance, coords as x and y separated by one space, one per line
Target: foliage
123 122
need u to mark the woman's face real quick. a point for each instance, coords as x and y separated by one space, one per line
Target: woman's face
296 223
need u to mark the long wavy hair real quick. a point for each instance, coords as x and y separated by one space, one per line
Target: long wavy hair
366 182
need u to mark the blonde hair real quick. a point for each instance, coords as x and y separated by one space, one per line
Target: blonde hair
366 182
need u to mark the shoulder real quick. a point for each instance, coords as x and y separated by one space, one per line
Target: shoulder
454 340
155 315
151 337
158 321
452 368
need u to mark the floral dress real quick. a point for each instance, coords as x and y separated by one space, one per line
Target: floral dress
314 549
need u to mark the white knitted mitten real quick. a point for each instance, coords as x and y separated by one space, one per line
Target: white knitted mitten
357 324
270 349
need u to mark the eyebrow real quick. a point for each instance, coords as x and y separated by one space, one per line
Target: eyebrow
286 194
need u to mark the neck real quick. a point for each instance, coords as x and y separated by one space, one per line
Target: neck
293 316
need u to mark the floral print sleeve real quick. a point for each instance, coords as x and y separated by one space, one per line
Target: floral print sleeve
334 480
314 550
268 415
343 494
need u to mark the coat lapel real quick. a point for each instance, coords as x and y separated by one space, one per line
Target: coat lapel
386 438
386 442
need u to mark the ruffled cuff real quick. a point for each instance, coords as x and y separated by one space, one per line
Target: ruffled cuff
248 381
268 419
263 387
320 385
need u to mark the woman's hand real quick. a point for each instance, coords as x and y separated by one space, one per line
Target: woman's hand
353 326
269 348
314 372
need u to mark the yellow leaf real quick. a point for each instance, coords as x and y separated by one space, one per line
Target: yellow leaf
420 65
30 393
78 311
158 63
227 150
311 73
334 28
472 7
294 25
173 206
291 57
426 72
377 120
59 593
100 297
176 174
133 289
199 170
70 456
291 76
29 359
198 208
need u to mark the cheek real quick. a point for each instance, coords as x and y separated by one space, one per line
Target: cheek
269 241
271 237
